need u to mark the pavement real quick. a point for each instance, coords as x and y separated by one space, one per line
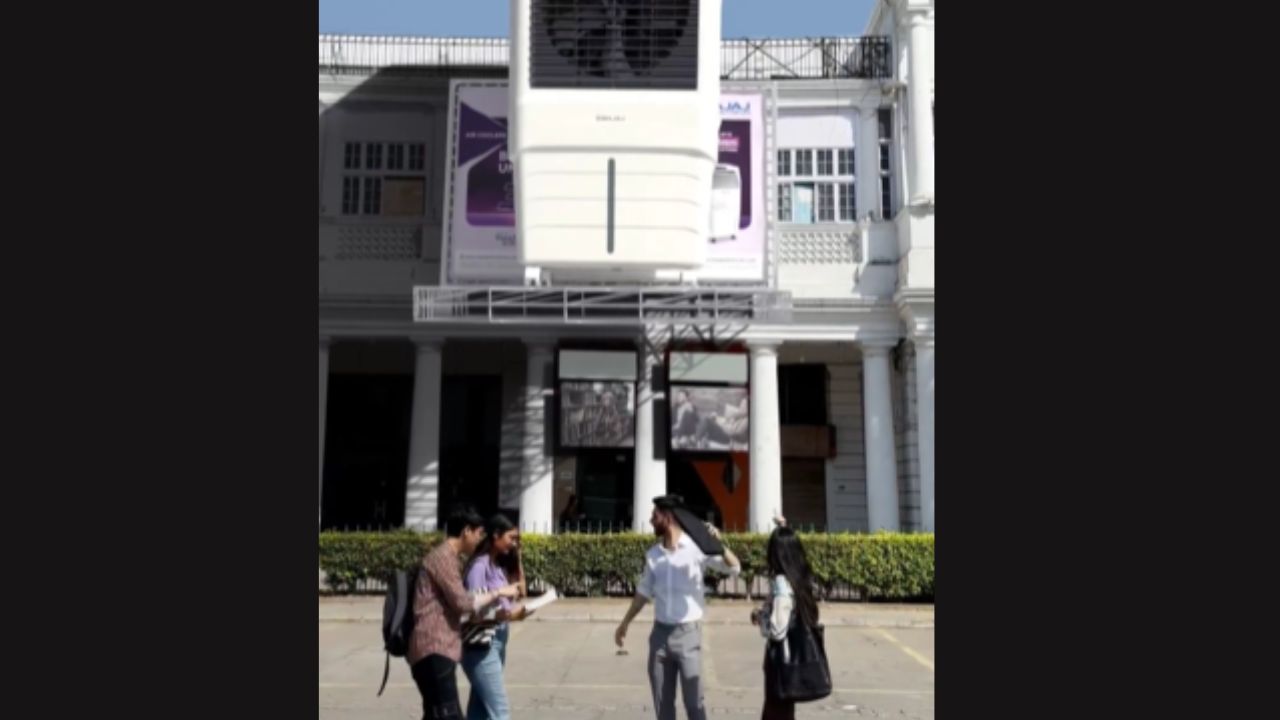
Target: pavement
562 663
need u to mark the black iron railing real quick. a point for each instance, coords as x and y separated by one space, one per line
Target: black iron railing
727 588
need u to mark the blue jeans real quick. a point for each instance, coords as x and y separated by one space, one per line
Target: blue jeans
483 666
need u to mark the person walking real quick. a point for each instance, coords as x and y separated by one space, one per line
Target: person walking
673 581
791 600
440 603
495 565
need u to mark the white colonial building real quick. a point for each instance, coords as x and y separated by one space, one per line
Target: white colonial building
447 392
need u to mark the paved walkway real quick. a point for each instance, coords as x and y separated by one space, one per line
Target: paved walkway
562 663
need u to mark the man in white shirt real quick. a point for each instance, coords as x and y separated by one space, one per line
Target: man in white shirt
673 581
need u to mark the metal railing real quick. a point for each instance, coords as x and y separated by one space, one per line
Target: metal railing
729 588
806 58
726 589
732 588
595 527
357 54
740 59
599 305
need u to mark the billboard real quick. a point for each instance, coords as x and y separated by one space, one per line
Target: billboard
742 257
597 414
480 197
709 419
479 220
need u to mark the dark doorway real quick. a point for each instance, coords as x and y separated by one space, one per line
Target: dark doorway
804 493
366 451
470 442
604 485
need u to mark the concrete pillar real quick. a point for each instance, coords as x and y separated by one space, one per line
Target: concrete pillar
882 464
651 456
920 90
766 439
536 481
422 494
924 415
324 405
866 158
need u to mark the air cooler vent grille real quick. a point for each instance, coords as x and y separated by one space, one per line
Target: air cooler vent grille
614 44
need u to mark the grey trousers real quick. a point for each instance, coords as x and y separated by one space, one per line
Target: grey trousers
676 651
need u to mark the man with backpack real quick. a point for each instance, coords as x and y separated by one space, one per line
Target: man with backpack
440 603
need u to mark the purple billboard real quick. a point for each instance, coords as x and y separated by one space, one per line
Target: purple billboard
480 220
491 200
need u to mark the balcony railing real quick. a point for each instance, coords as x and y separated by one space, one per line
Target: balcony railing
789 58
674 306
806 58
360 54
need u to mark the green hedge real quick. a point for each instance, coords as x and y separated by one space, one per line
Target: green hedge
884 566
350 557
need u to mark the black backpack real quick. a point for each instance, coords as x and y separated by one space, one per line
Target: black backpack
397 618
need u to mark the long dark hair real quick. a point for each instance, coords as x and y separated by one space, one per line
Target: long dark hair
498 525
787 558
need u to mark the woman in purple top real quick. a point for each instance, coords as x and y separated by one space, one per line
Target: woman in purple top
495 564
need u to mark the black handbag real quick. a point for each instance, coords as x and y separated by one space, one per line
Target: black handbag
802 673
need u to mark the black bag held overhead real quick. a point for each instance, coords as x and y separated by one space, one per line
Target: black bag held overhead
802 675
693 527
397 618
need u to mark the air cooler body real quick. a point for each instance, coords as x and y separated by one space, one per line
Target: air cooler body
614 133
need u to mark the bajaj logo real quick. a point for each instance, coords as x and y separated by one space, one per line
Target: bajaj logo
736 108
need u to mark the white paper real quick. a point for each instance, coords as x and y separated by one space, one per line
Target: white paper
542 600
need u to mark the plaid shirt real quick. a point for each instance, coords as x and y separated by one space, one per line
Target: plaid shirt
439 602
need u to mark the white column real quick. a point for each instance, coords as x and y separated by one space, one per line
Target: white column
924 415
766 439
920 81
321 155
324 405
866 158
332 139
651 460
536 481
422 494
882 463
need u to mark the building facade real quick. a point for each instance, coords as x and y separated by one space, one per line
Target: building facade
421 407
